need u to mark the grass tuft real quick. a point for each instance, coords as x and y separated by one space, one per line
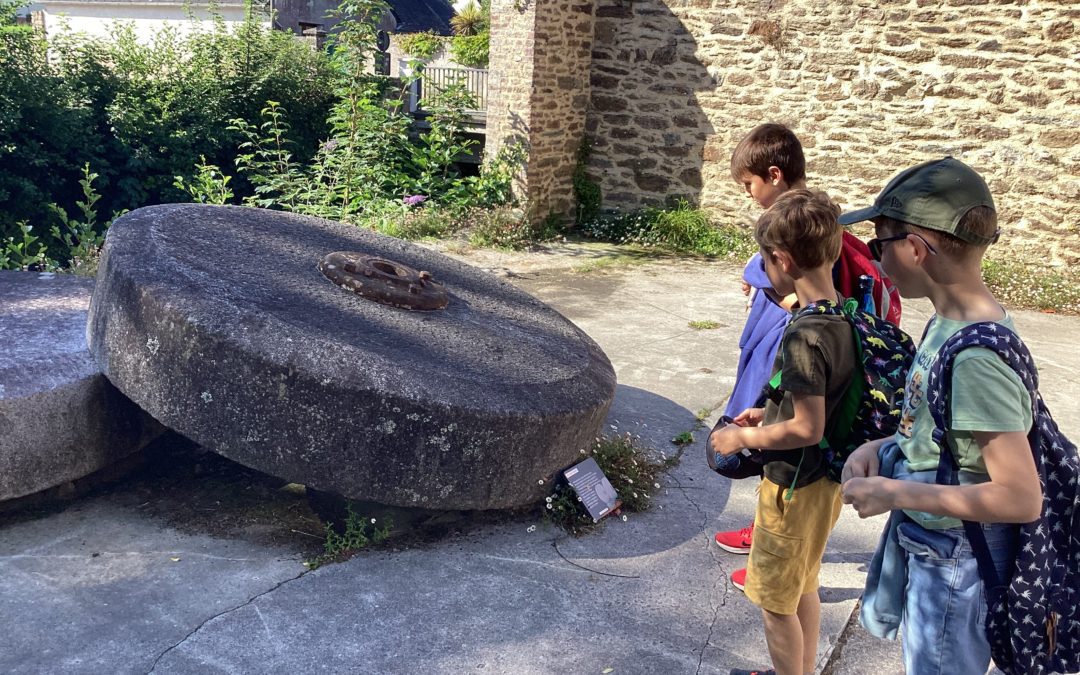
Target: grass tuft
707 324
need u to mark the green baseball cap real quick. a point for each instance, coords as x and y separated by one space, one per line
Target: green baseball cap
934 195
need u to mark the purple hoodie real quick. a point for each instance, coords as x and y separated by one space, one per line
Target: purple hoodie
760 340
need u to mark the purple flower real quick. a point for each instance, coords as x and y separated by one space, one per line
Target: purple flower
413 200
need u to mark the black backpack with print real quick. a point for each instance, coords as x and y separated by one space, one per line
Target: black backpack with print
1033 622
871 405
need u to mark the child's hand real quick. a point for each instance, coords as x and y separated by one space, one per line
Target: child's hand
751 417
746 288
869 496
725 440
863 463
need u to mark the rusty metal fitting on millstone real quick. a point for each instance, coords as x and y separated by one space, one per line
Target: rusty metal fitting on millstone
383 281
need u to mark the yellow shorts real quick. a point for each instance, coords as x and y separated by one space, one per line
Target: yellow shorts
789 542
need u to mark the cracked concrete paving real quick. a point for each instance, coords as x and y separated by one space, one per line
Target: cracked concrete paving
104 586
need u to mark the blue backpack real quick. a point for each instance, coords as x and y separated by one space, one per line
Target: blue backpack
1033 622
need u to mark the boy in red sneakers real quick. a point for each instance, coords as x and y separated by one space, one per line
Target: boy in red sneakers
798 504
768 162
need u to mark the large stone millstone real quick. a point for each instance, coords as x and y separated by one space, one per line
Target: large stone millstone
60 419
217 321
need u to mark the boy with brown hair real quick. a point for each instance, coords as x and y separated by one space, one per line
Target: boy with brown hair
768 162
798 505
933 223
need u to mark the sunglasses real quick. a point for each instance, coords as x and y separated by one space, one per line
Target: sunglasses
877 246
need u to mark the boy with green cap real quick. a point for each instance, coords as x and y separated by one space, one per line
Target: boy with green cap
933 223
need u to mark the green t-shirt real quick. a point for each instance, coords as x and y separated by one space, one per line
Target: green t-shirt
987 395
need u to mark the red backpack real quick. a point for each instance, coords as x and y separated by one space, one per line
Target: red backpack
855 261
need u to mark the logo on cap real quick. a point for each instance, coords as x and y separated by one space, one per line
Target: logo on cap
894 203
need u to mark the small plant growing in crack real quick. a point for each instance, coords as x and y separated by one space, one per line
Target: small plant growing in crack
702 414
685 438
706 324
632 470
357 533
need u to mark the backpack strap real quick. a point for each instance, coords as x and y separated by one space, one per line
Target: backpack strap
1008 345
844 415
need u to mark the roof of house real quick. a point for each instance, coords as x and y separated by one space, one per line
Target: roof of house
416 16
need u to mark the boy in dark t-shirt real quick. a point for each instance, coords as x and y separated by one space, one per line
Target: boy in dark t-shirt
798 505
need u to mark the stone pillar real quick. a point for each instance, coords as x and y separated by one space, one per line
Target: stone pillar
541 53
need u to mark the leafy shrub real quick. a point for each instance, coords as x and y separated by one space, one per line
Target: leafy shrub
433 158
495 183
142 113
22 250
681 229
420 46
158 122
510 227
629 468
45 136
470 51
83 238
209 186
398 219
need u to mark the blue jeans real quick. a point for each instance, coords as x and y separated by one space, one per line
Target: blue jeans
945 602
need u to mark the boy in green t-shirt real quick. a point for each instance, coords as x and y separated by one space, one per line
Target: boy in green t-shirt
933 223
798 504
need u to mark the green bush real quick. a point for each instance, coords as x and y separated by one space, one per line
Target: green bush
511 227
22 250
680 229
313 133
630 468
82 237
404 221
470 51
142 114
420 46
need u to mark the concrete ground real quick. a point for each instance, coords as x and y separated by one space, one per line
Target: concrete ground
192 564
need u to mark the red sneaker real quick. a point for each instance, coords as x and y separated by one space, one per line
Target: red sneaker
738 579
736 541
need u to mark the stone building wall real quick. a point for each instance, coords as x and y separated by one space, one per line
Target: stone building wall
538 92
870 86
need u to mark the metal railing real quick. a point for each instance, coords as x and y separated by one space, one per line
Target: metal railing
434 80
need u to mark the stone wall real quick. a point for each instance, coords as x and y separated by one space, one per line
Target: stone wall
869 86
538 92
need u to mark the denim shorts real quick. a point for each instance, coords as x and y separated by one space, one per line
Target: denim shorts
945 602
